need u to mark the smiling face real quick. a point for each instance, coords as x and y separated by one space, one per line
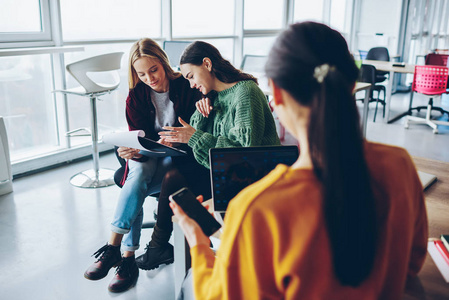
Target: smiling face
200 77
151 72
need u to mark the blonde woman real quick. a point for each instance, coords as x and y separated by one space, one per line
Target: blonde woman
157 97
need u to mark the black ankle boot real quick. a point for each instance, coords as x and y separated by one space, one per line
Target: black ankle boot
109 257
125 276
155 256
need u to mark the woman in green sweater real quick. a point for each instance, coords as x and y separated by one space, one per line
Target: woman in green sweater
234 112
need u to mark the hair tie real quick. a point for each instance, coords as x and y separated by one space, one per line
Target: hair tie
321 71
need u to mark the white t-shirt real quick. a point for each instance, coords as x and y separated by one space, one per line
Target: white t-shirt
165 110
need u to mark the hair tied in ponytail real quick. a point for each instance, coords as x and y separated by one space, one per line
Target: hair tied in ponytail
321 71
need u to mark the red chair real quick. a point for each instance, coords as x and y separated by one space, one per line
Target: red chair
430 81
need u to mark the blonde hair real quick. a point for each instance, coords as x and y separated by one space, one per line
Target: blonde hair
148 48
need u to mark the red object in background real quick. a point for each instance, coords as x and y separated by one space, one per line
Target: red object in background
442 249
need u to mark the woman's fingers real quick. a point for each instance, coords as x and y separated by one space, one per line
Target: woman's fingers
127 153
192 231
204 107
200 198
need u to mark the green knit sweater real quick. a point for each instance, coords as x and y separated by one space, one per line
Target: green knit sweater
240 118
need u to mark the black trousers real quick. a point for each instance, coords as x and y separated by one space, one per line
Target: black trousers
184 174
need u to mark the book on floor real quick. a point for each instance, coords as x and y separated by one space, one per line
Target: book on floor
136 139
438 256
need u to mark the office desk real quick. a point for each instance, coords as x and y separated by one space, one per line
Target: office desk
429 284
388 67
360 86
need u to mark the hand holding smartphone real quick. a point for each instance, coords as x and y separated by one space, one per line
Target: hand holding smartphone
193 208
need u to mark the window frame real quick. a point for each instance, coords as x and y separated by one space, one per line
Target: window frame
45 35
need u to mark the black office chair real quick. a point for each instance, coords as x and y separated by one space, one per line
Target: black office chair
368 74
118 176
379 53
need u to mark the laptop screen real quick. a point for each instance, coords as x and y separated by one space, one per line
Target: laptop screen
233 169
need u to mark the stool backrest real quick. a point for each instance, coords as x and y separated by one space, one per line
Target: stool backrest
101 63
430 80
253 63
436 59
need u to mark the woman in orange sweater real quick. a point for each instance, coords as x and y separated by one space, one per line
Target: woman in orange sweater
346 221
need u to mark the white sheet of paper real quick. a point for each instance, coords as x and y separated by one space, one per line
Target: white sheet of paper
125 139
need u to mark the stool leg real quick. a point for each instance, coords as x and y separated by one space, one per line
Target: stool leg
96 177
94 126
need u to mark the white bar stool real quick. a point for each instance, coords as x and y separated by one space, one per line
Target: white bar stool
96 177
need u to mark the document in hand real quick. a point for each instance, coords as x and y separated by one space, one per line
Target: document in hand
136 139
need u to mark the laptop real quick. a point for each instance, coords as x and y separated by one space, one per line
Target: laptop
233 169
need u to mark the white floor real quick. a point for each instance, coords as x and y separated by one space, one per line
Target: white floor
49 229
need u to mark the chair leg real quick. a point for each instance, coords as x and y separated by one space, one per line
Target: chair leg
375 111
427 121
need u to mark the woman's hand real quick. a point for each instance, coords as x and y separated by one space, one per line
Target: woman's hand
204 107
128 153
178 134
192 231
164 142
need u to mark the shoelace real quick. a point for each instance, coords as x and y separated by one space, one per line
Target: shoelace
103 251
147 247
123 269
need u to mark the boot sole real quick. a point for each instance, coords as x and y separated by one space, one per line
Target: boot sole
98 278
166 262
127 288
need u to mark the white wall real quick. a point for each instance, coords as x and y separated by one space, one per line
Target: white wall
379 16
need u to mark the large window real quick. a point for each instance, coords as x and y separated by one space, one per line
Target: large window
258 45
27 105
202 18
24 20
105 19
264 14
338 19
306 10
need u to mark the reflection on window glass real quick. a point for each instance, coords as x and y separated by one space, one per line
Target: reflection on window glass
225 46
306 10
27 106
202 17
14 18
263 14
258 46
103 19
338 12
111 107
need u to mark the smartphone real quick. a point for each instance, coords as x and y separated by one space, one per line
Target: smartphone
195 210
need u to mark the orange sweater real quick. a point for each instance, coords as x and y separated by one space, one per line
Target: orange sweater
275 244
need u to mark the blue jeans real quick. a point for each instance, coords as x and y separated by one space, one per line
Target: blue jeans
144 178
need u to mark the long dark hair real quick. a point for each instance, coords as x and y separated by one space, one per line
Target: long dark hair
222 69
312 62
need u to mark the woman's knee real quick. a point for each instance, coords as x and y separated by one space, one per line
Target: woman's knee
142 169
